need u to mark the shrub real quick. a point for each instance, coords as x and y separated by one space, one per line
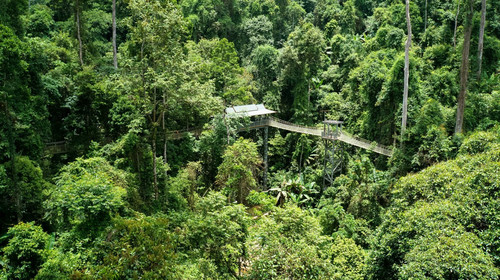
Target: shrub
25 251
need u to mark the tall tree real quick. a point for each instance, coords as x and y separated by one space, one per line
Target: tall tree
78 30
20 114
239 169
10 71
115 59
481 38
170 83
300 61
464 68
157 32
406 70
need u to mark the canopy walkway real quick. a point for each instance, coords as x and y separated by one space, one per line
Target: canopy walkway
315 131
342 136
60 147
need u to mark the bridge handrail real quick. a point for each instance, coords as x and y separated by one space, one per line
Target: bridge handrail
366 141
58 143
184 130
292 124
256 123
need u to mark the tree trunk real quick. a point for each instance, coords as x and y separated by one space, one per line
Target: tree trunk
308 95
155 175
464 70
406 71
227 128
155 129
266 147
481 39
456 23
425 17
164 131
78 32
115 58
143 71
300 159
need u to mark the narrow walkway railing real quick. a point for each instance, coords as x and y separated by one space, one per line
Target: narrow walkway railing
53 148
365 144
281 124
178 134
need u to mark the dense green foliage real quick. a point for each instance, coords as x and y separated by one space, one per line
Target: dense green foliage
95 183
87 193
25 252
239 169
448 212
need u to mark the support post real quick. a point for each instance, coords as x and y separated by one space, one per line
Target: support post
266 135
325 143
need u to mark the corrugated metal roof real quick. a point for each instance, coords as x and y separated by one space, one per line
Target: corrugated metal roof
250 110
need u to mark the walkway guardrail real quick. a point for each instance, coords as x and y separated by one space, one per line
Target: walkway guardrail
178 134
58 147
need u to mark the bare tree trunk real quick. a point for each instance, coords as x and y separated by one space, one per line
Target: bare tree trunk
164 131
115 58
78 32
456 23
300 158
464 70
155 129
155 175
308 94
406 70
481 39
425 17
265 157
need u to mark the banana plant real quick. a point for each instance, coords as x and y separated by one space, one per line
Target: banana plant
295 190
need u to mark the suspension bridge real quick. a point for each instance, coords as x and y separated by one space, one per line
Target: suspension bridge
266 121
288 126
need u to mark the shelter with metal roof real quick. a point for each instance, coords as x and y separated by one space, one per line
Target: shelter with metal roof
251 110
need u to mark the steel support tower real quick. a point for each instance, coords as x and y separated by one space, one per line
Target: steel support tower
334 152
